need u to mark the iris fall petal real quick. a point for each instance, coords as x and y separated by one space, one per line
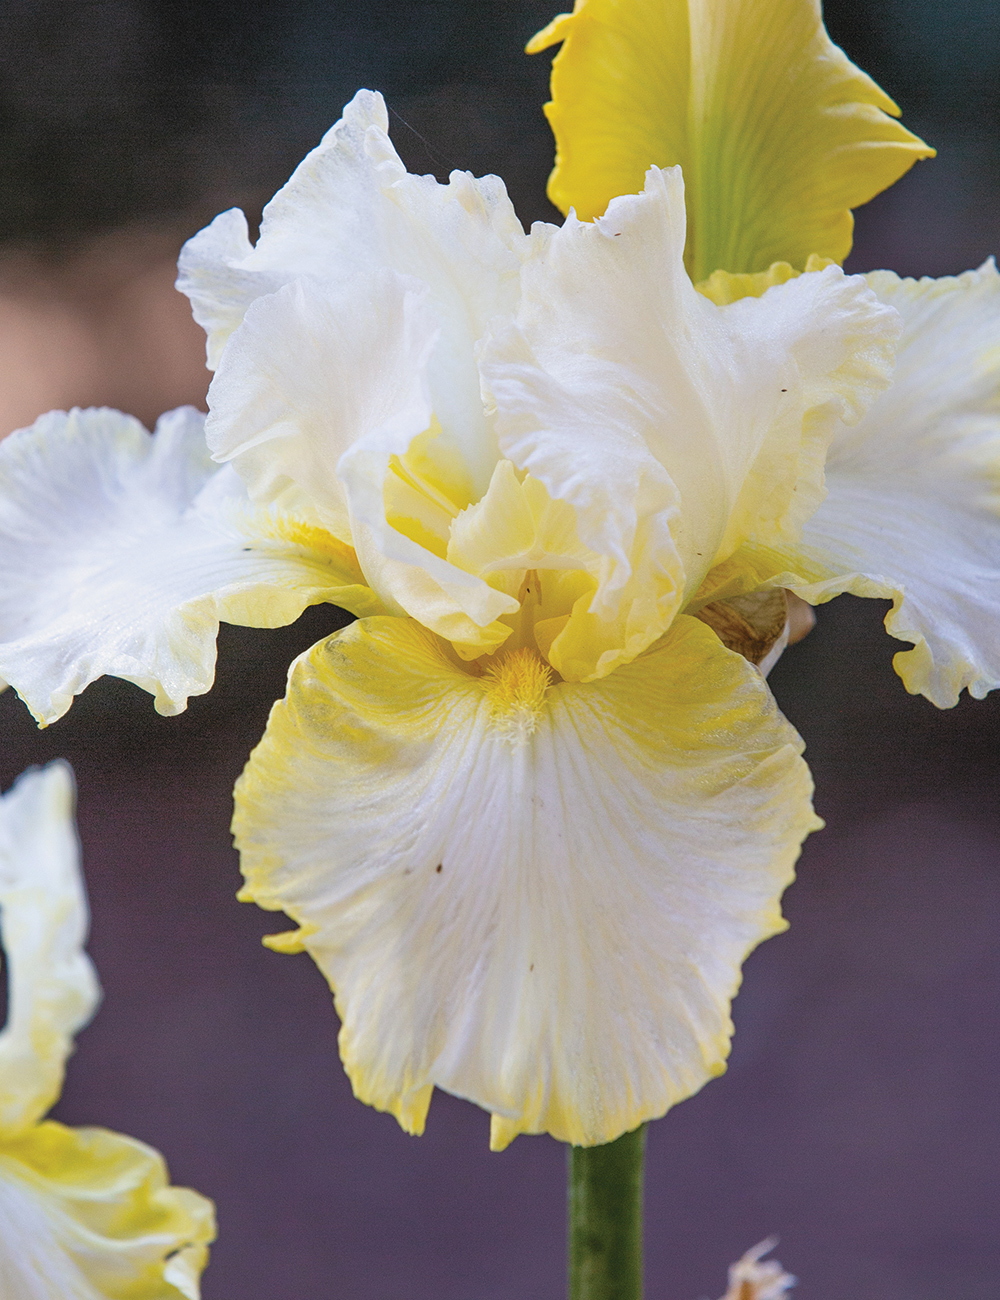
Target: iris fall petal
86 1214
534 896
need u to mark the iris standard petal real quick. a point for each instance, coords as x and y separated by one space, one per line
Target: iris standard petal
89 1215
321 389
52 987
351 207
534 896
120 553
216 272
312 369
778 133
631 395
913 511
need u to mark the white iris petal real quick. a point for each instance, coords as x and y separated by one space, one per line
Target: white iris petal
913 505
120 552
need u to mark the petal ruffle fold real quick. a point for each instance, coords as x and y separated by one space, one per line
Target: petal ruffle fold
913 506
86 1214
121 552
351 207
311 370
321 387
548 920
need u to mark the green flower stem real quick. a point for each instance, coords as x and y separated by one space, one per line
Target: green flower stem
605 1219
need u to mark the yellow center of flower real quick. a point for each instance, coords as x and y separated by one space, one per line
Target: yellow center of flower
515 537
541 587
517 682
425 489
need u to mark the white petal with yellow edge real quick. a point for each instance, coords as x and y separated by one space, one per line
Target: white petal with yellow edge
629 394
52 987
352 207
536 897
913 511
120 553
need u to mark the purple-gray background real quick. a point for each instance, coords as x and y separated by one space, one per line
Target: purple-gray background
858 1118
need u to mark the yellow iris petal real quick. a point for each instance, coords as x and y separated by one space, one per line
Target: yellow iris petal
778 133
725 287
93 1207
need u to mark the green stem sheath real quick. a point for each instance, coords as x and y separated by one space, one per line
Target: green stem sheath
605 1219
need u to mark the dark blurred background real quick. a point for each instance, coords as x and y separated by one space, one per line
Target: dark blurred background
858 1118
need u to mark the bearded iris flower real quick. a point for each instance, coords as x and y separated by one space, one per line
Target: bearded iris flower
85 1214
532 810
528 813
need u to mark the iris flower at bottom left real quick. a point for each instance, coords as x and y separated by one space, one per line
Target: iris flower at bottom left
85 1214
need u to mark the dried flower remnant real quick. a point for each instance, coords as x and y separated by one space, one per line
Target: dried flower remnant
754 1278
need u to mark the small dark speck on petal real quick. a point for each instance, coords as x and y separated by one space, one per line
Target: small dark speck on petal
784 390
532 966
248 548
439 868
